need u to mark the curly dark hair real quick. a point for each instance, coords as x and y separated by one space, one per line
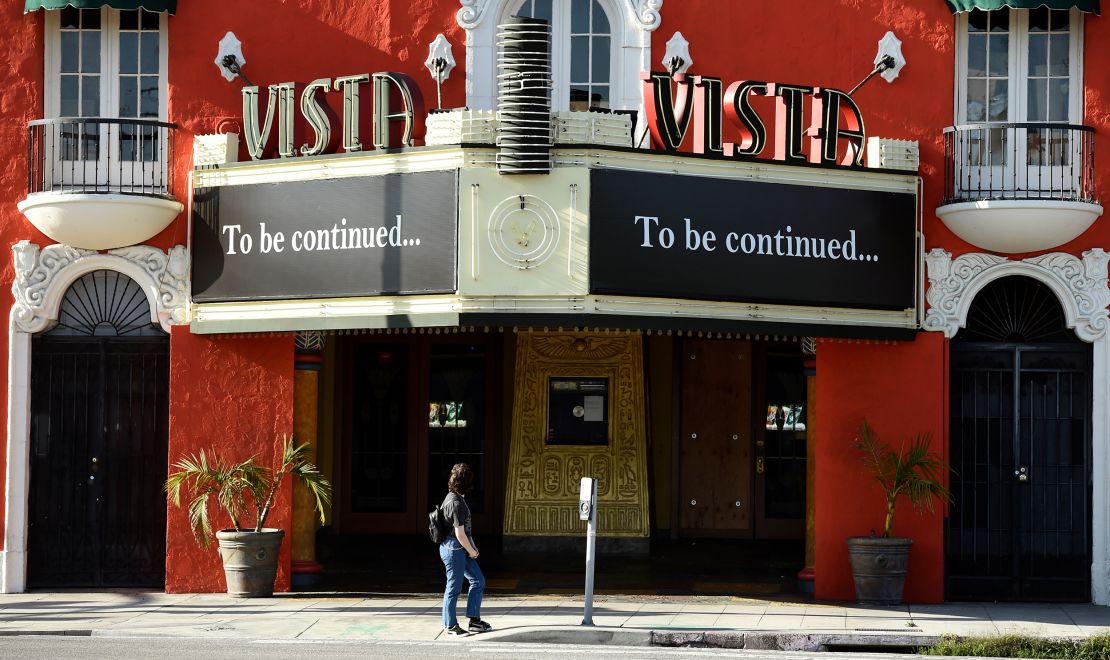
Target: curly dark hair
462 479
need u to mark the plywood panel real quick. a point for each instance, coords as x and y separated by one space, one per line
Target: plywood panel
715 450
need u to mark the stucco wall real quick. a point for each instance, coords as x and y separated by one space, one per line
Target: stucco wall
901 389
235 394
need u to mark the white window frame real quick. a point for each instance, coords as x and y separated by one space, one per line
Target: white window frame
561 46
88 172
1018 89
631 23
109 65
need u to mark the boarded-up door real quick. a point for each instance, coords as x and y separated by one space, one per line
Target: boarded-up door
715 447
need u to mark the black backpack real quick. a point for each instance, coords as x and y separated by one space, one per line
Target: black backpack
437 530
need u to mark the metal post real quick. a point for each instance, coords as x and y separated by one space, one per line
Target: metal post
591 550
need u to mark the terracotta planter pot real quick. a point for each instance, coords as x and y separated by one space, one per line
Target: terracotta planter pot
250 561
879 568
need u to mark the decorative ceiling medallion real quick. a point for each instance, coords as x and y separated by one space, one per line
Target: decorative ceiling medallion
44 275
524 231
1080 285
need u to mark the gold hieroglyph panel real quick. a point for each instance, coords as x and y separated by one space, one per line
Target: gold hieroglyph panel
541 496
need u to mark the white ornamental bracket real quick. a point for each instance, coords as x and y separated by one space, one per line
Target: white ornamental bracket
440 62
230 45
892 46
677 58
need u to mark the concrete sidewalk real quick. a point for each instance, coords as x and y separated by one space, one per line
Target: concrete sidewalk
629 620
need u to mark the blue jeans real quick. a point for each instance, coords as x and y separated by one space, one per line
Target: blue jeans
459 565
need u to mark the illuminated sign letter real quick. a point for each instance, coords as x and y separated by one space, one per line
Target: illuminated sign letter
259 142
351 111
707 115
290 128
830 106
740 113
319 117
667 120
411 102
788 121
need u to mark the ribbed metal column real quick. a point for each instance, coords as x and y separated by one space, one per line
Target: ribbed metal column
524 97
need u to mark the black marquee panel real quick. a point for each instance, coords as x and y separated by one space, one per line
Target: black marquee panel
383 235
674 236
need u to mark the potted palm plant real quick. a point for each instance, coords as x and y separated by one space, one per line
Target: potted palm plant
914 472
245 491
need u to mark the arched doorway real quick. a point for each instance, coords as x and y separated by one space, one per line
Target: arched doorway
98 440
1019 526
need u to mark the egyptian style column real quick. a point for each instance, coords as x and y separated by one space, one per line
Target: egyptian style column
307 360
809 347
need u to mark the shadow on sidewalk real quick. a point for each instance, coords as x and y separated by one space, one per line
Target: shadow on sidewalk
710 567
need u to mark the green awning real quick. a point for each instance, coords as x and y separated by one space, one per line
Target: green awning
169 6
957 6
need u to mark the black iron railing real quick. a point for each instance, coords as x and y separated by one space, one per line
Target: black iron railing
1019 161
97 155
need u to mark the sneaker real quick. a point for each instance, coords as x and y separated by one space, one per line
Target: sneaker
455 631
479 626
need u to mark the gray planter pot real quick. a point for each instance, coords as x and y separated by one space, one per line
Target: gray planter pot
250 561
879 568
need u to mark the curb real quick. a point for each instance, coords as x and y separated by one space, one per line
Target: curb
570 635
762 641
51 633
794 641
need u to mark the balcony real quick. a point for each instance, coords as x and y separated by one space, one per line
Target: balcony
1020 187
100 184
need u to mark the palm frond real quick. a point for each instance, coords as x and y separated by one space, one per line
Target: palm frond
238 486
198 519
914 472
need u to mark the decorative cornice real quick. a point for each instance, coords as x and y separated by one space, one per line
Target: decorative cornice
42 276
647 13
472 12
1080 285
35 271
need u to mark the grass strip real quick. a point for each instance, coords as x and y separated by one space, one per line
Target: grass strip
1096 647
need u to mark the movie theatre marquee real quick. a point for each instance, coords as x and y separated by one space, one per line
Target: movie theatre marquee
376 236
614 238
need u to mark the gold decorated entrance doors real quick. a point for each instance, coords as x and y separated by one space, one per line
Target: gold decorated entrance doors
715 439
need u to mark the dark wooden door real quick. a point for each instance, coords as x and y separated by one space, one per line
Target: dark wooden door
99 430
411 408
715 440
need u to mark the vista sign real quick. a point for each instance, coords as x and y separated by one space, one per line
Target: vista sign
704 104
397 114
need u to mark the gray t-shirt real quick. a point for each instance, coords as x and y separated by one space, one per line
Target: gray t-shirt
456 512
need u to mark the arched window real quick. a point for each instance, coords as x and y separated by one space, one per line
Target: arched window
583 72
105 303
599 48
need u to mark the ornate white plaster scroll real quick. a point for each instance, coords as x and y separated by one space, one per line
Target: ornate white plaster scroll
1080 285
43 275
472 12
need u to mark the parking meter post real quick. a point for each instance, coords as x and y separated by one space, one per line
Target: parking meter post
591 546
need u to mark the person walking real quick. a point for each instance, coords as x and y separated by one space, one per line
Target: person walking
460 555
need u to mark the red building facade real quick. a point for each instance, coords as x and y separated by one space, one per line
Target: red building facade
127 286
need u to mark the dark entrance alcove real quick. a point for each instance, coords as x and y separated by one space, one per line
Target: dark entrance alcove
1020 448
99 429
